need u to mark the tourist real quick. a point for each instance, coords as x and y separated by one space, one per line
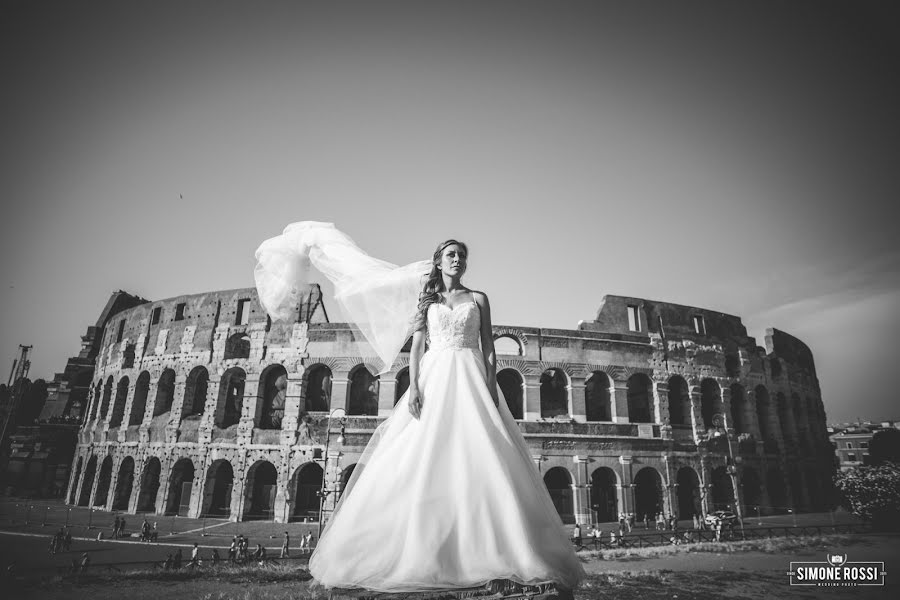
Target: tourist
285 546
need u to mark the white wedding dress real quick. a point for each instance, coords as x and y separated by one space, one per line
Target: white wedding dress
452 499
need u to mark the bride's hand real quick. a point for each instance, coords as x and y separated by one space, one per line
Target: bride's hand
415 402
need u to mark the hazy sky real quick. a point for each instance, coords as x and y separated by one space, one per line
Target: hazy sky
741 157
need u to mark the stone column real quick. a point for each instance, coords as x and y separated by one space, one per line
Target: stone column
199 487
175 415
671 488
211 411
165 478
139 464
705 485
661 408
292 406
340 388
387 388
249 409
626 488
332 479
531 398
113 483
80 483
148 410
725 394
581 491
95 483
618 395
577 406
696 413
238 488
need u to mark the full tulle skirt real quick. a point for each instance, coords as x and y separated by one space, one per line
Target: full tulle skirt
450 500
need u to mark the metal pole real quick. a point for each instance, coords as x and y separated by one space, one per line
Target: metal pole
90 517
46 512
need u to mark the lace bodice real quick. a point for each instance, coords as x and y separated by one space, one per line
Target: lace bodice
457 327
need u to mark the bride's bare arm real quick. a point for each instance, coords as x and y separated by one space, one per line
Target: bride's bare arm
415 355
487 344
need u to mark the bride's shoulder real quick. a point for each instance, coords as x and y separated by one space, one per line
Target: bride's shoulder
480 297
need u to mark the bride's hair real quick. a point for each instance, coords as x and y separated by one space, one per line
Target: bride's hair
434 285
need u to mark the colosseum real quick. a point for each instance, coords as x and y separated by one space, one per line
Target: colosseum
202 405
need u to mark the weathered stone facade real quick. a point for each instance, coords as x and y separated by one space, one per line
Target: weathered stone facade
201 405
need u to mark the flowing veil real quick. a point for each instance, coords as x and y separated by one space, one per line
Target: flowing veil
377 296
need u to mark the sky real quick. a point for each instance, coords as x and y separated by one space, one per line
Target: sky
735 156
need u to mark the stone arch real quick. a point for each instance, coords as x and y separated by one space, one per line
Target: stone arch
181 483
362 394
103 480
604 494
149 485
722 492
124 484
237 346
554 393
739 411
165 393
777 492
217 489
508 345
751 486
401 384
230 403
689 497
710 401
679 398
260 488
318 388
72 494
648 493
195 391
107 396
139 403
307 485
763 411
597 399
118 411
511 385
559 484
273 382
639 399
94 401
89 472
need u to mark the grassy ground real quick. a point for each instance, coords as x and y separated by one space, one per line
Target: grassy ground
745 571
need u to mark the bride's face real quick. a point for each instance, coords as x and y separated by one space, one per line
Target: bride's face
453 261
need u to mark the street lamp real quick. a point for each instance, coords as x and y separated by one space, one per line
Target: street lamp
325 491
719 421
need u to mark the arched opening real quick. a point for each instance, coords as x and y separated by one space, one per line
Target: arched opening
739 409
273 386
763 411
362 397
118 411
231 397
510 382
402 384
308 484
107 395
688 493
124 484
181 483
777 491
103 480
318 389
149 486
237 346
751 486
217 490
554 393
139 404
262 479
639 402
604 495
508 345
559 484
195 390
71 498
722 489
710 401
597 401
165 393
648 499
679 401
89 472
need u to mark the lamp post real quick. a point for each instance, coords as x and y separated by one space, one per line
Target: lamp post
719 422
325 491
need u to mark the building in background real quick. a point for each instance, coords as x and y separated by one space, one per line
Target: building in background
851 442
201 405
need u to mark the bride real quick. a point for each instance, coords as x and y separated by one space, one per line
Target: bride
446 494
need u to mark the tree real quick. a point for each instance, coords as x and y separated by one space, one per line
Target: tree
873 493
884 447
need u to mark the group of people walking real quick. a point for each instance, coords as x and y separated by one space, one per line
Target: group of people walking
61 540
